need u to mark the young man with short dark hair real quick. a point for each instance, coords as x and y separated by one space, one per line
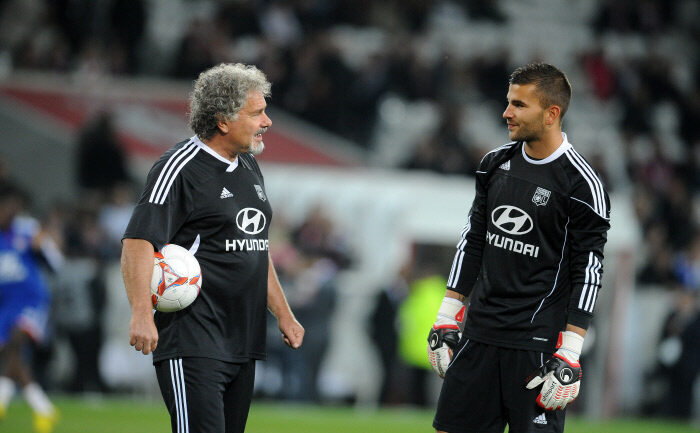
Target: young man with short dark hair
530 261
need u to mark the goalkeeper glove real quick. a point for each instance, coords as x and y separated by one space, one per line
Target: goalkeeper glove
445 335
561 374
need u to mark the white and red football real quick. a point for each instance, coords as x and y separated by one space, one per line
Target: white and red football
176 279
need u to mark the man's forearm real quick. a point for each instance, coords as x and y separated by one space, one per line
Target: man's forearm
137 268
276 301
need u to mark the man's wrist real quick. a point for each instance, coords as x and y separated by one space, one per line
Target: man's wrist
285 316
571 344
142 310
449 308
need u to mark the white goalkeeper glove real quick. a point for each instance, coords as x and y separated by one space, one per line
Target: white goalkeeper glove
444 335
561 374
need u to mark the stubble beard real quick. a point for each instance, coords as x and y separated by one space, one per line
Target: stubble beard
527 133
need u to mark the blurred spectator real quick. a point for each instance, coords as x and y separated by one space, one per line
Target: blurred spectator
626 16
670 384
127 23
240 18
446 151
658 269
318 237
101 162
415 315
492 72
485 9
24 304
80 296
114 216
280 24
687 266
311 292
307 264
4 173
599 73
383 331
657 170
197 50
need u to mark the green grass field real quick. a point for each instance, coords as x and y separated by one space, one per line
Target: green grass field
132 416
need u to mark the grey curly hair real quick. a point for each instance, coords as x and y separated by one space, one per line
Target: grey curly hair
220 92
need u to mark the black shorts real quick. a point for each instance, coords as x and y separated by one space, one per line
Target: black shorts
205 395
484 389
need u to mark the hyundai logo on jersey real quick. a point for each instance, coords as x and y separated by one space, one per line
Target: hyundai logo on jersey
512 220
509 244
247 244
251 220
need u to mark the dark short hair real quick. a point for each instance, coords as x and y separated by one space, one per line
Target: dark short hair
552 85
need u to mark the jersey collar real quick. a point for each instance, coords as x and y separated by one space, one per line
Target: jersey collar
563 147
231 164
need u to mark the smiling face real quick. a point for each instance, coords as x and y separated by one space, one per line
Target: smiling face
525 116
245 133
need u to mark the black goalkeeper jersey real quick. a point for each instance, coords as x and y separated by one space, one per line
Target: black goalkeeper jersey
531 254
217 209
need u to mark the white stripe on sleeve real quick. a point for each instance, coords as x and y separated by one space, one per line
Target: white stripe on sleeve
172 160
586 281
594 183
174 175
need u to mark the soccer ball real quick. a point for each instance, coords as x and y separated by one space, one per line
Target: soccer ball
176 279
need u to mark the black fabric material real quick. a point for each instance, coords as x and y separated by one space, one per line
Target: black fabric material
215 398
190 197
484 390
530 256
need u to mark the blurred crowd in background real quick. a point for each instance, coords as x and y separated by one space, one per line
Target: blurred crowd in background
306 49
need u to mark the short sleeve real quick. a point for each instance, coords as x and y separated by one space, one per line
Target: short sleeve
163 207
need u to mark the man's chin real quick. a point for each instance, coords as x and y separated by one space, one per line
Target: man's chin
256 148
519 137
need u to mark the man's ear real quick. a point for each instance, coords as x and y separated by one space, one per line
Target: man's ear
552 115
222 124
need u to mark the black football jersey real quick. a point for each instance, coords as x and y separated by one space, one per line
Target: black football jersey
218 210
531 253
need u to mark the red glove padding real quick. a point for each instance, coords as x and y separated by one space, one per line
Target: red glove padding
444 335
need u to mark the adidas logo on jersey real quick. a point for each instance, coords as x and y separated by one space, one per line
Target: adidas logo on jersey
505 165
225 193
540 419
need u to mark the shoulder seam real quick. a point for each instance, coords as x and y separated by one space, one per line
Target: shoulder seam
597 191
503 147
170 170
498 149
591 207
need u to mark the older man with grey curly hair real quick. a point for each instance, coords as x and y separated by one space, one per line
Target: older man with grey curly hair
207 194
221 92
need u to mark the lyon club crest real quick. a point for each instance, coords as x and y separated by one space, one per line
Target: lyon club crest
541 196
